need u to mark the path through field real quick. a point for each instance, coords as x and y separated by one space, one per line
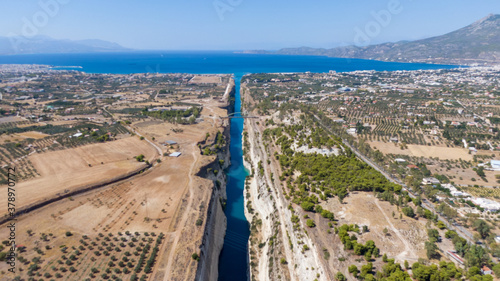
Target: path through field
185 216
409 252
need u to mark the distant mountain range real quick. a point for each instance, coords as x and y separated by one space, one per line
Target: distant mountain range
47 45
478 43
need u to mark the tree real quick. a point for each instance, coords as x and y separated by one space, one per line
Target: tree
433 235
441 225
366 269
476 256
376 252
369 277
474 270
307 206
368 255
310 223
385 231
408 211
340 277
431 250
496 269
482 228
353 269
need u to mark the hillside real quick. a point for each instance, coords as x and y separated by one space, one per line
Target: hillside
475 43
47 45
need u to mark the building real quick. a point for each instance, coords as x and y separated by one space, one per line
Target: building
175 154
169 142
430 180
497 239
494 165
486 204
485 270
400 160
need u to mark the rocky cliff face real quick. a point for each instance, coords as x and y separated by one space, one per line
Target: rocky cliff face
215 230
275 247
216 222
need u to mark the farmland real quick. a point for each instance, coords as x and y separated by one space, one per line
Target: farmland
364 174
97 195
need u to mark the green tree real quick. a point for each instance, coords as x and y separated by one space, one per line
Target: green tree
408 211
482 228
310 223
340 277
431 250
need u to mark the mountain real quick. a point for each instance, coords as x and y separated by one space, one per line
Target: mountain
478 43
47 45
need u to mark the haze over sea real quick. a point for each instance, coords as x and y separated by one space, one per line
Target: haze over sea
234 257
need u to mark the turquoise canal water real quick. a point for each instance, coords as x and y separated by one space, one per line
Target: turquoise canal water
233 259
233 264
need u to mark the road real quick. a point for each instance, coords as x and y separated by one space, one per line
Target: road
185 215
462 232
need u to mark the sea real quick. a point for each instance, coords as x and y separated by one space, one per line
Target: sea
233 262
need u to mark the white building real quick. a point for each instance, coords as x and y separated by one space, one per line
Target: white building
497 239
453 190
430 180
486 204
494 165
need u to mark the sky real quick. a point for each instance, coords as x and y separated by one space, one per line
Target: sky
240 24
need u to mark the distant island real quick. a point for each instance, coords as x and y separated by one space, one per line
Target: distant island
478 43
47 45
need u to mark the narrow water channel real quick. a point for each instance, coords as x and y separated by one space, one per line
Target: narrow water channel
233 261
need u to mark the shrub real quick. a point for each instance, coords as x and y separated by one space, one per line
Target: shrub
340 277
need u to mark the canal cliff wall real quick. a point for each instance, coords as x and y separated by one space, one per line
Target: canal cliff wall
216 223
275 246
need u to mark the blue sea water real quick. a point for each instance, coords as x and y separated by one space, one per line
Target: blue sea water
233 263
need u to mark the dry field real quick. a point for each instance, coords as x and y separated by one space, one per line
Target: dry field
21 136
202 79
406 236
70 169
442 152
11 119
168 198
404 240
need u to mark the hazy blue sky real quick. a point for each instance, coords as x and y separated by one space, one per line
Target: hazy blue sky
239 24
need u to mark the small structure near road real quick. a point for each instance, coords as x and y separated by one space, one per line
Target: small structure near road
175 154
486 270
169 142
453 255
430 180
